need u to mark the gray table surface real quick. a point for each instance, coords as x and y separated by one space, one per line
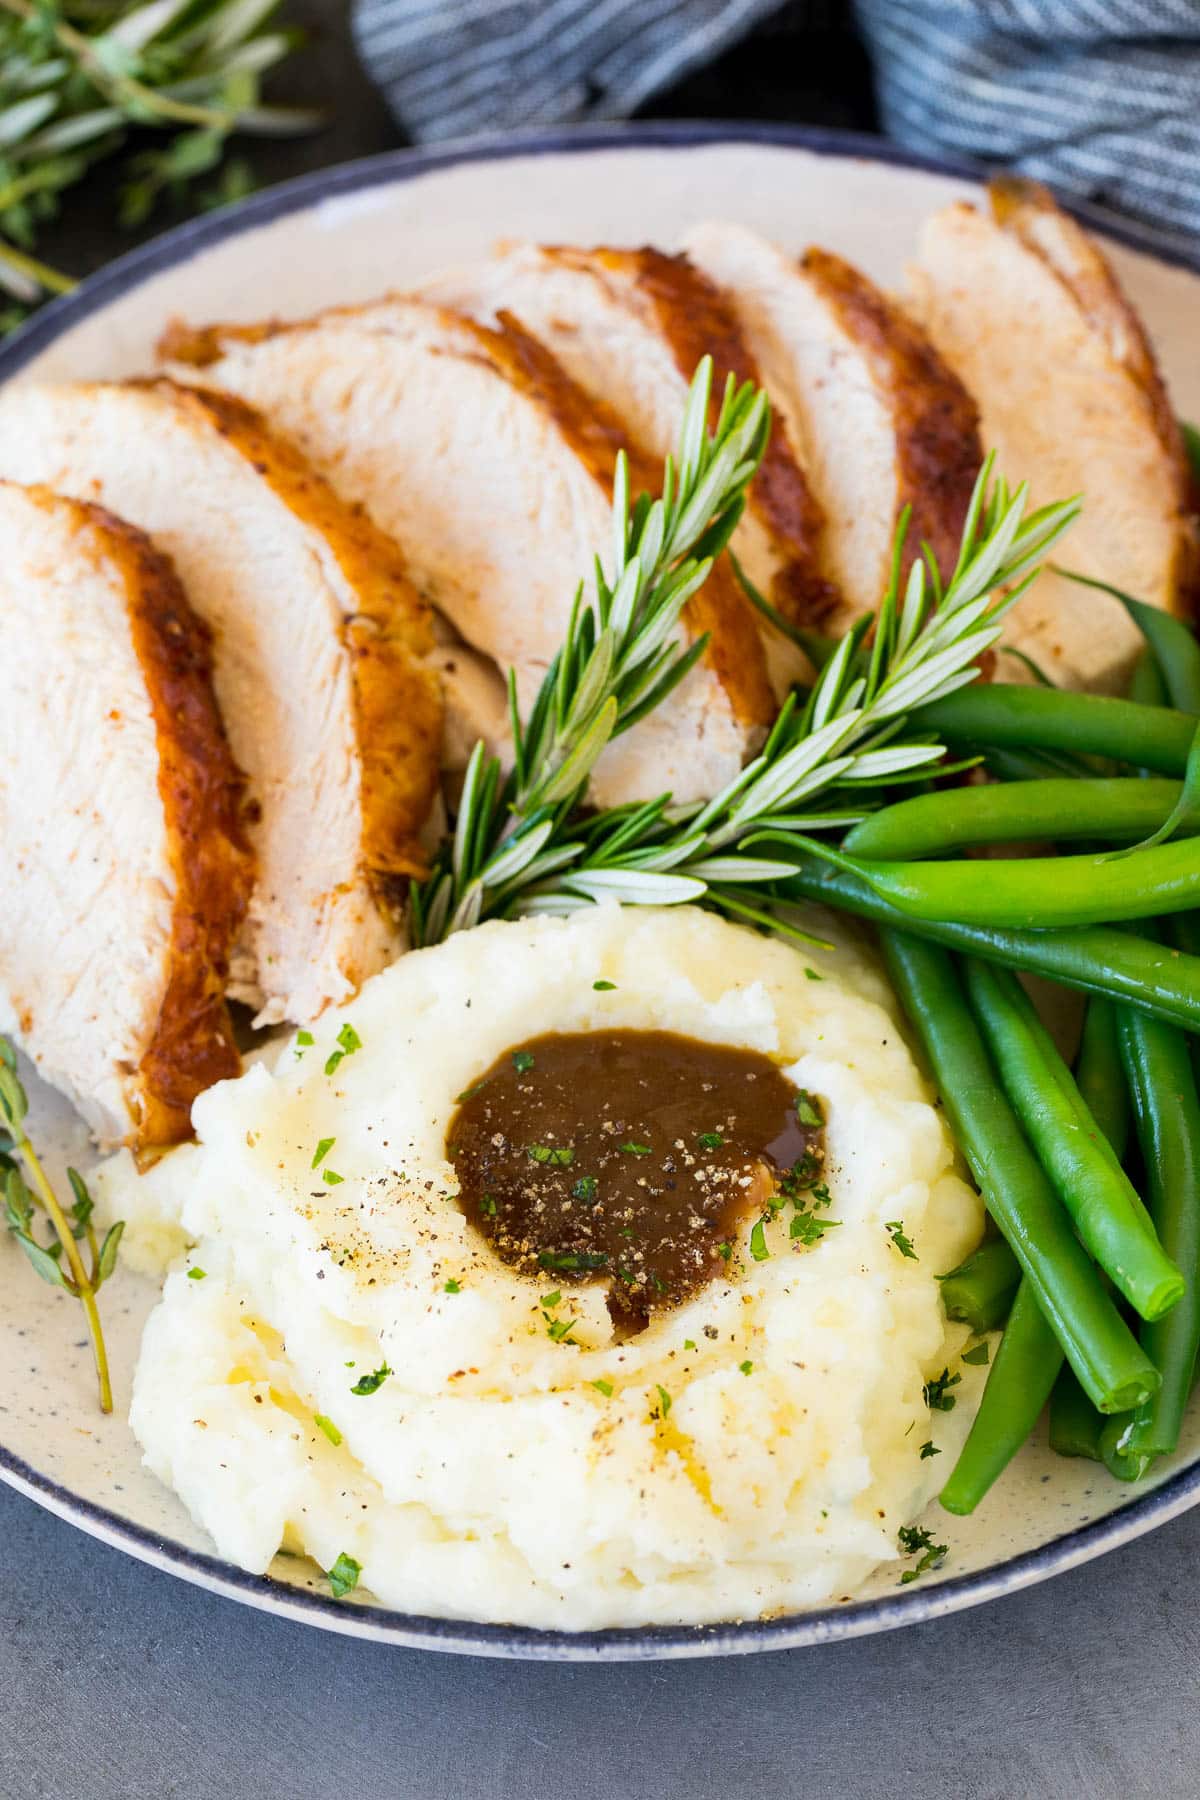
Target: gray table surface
117 1681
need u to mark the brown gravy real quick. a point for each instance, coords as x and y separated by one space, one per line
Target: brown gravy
629 1157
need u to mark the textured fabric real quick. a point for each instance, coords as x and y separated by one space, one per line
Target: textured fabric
451 67
1100 98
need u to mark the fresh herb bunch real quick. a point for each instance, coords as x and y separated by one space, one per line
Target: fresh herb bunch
27 1190
78 76
620 658
522 846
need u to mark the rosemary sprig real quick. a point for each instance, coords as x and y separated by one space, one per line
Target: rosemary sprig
27 1189
78 76
620 658
524 847
847 737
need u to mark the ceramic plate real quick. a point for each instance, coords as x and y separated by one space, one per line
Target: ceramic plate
345 235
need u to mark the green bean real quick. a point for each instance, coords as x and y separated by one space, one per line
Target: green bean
1191 447
1178 653
1100 1075
1091 1184
980 1291
1167 1112
1109 810
1039 892
1007 716
1183 930
1016 1190
1173 643
1031 765
1146 684
1075 1425
1018 1386
1095 958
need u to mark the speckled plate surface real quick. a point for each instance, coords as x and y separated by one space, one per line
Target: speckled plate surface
344 235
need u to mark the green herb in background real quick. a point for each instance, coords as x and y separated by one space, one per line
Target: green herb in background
81 80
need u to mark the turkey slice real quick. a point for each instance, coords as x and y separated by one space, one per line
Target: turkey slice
318 668
493 470
879 419
121 814
1028 311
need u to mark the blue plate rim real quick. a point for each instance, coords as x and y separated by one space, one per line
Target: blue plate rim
908 1606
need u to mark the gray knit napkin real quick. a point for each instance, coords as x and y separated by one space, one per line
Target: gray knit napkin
1101 98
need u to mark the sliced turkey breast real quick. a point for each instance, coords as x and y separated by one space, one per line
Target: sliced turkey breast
318 672
1028 311
630 327
120 811
879 420
473 448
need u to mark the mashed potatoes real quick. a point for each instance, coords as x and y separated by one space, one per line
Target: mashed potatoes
754 1450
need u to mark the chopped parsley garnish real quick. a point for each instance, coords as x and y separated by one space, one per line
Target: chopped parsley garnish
604 987
559 1330
522 1061
636 1149
895 1230
807 1229
195 1274
929 1448
936 1396
322 1151
808 1109
664 1400
331 1177
710 1140
758 1242
689 1343
584 1188
304 1040
469 1093
977 1355
915 1540
343 1577
572 1262
552 1299
370 1384
603 1387
487 1206
328 1427
453 1287
556 1156
813 976
746 1367
350 1041
725 1251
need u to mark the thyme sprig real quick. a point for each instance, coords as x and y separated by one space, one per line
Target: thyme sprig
523 845
620 658
27 1190
78 76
